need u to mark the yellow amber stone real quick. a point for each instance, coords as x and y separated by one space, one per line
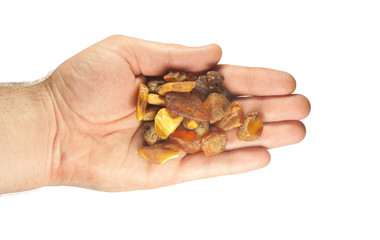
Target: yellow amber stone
159 153
165 124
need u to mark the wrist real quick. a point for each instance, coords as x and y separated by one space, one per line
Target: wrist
28 129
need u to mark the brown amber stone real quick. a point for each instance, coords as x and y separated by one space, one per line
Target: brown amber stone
176 87
166 124
202 129
186 140
142 101
159 153
176 76
150 113
156 99
251 129
214 143
201 89
217 106
233 119
214 79
151 137
186 105
190 123
154 84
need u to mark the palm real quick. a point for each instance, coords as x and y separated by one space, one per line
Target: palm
95 94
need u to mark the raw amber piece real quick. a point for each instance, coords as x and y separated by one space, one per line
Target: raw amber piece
150 113
186 105
153 85
176 76
142 101
251 129
165 124
156 99
176 87
159 153
151 137
190 123
233 119
186 140
214 79
202 129
214 143
223 91
217 106
201 89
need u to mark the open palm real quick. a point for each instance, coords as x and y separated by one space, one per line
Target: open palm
94 96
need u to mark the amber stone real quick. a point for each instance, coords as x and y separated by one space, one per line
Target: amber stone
233 119
176 87
214 79
202 129
153 85
165 124
217 106
156 99
159 153
214 143
186 105
151 137
190 123
150 113
201 89
187 140
251 129
176 76
142 101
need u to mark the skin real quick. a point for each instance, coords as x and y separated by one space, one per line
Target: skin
78 127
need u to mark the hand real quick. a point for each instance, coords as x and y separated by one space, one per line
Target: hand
94 97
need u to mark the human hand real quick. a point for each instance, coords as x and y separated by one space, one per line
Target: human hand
94 99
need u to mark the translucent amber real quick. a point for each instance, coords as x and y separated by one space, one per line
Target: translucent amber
186 105
154 84
159 153
142 101
251 129
202 129
217 106
233 119
156 99
151 137
186 140
176 87
165 124
190 123
150 113
176 76
214 143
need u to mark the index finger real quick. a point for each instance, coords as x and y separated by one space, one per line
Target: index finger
256 81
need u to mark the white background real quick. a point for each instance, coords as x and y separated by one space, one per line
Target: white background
326 187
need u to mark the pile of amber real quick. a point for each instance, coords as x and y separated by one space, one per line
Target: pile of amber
190 112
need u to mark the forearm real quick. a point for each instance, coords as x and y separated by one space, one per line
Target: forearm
26 137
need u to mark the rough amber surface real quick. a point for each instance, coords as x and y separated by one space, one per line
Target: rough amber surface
151 137
251 129
214 143
202 129
156 99
176 87
209 83
223 91
214 79
217 106
176 76
159 153
153 85
186 105
187 140
201 90
150 113
142 101
190 123
233 119
165 124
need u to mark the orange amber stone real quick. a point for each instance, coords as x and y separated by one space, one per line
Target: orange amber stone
165 124
186 105
142 101
186 140
251 129
190 123
159 153
214 143
233 119
176 87
176 76
217 106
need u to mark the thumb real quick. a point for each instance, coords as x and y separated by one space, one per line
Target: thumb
153 58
